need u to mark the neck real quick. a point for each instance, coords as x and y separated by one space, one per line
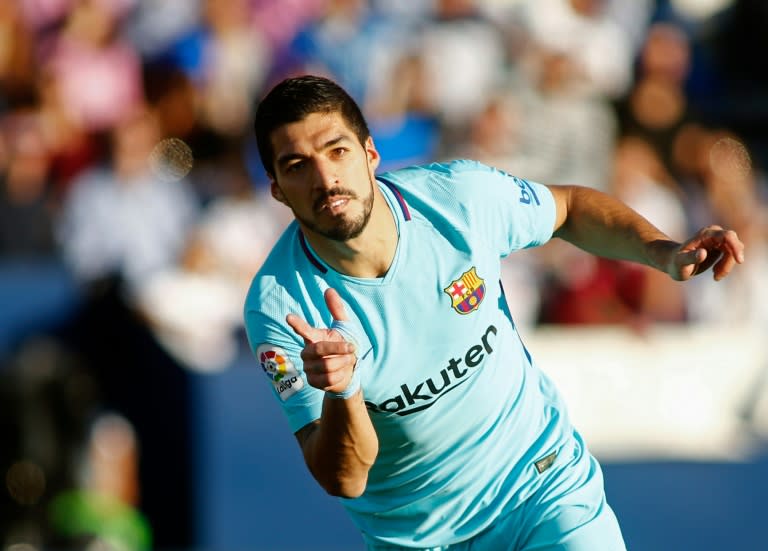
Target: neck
370 254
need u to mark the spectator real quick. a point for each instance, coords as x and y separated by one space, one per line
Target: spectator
235 62
16 56
26 204
194 308
458 31
598 50
403 122
657 106
350 41
96 72
123 219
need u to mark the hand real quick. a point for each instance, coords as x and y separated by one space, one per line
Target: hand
710 246
329 360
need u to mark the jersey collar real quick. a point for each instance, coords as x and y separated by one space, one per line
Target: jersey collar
319 264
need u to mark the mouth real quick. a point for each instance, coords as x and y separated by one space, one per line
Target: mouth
333 205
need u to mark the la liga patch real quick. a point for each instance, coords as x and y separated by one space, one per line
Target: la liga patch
280 369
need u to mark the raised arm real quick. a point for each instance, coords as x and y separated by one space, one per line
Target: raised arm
604 226
341 446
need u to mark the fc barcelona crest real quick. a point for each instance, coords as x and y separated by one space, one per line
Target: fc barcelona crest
467 292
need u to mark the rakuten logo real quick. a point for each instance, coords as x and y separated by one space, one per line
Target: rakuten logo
412 399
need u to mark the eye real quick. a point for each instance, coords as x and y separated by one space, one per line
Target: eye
295 166
339 152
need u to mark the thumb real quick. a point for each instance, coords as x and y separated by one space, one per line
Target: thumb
694 256
335 304
690 260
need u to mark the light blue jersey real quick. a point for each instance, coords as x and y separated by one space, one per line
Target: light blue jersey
468 426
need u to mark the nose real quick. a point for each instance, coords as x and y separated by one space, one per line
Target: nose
326 175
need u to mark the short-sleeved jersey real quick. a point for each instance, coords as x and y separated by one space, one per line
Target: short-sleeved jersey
461 412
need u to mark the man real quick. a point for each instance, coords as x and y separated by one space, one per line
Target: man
381 323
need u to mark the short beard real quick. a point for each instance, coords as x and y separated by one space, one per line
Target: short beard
345 229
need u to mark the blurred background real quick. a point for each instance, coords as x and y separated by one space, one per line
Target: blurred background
134 211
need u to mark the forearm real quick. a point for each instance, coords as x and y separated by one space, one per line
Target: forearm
604 226
341 448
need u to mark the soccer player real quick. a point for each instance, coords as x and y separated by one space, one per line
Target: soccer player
379 320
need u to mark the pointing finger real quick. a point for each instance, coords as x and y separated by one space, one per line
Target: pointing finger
301 328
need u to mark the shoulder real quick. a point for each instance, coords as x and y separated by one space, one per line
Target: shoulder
439 172
270 295
449 175
462 182
288 282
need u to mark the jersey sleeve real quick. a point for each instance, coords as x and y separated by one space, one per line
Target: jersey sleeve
511 212
277 348
502 210
278 354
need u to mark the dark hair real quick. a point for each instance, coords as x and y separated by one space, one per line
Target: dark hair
294 99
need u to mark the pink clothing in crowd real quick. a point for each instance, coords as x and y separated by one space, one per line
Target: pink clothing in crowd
98 87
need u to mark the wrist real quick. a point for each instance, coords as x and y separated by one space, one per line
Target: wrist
662 255
351 390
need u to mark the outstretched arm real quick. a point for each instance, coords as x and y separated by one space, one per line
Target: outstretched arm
604 226
341 446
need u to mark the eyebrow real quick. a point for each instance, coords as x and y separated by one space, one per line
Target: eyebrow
293 156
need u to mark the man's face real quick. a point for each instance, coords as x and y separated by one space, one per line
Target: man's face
325 175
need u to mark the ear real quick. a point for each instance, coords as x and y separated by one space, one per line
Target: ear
373 155
277 193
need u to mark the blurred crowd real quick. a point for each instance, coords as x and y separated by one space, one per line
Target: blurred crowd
118 275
